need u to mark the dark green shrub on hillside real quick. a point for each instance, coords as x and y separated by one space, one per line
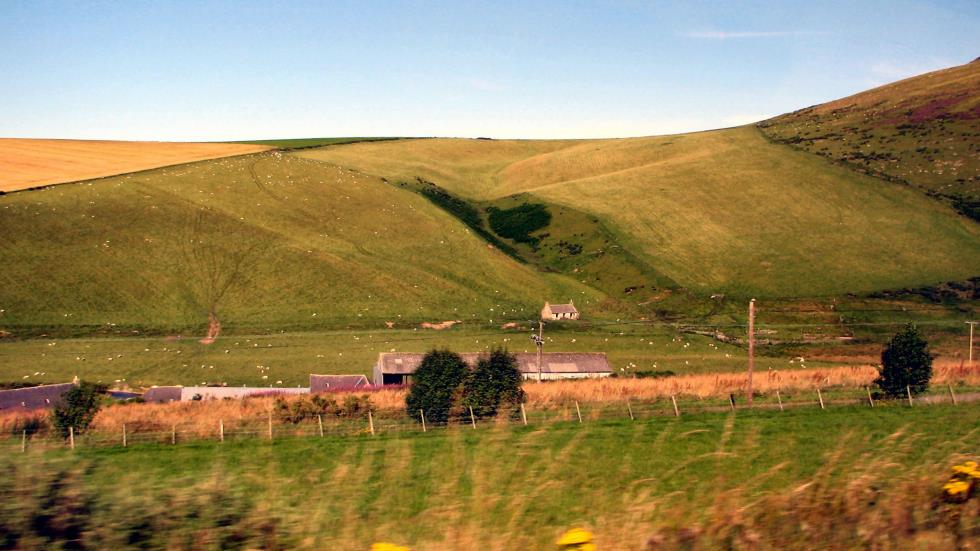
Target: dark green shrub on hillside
493 384
519 222
79 408
905 362
436 386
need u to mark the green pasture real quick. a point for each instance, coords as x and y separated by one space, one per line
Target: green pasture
505 487
724 211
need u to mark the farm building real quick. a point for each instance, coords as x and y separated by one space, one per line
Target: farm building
331 383
159 394
35 397
397 368
559 311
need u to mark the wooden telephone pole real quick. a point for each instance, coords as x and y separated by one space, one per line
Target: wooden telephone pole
970 353
539 341
751 346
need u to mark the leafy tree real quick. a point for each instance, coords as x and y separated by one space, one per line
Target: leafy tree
495 382
905 362
436 385
78 408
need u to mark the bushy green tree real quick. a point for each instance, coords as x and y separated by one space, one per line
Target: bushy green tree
78 408
436 386
494 383
905 362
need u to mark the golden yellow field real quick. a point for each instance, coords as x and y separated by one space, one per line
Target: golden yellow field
27 163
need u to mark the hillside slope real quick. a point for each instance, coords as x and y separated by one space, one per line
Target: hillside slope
266 242
721 212
924 130
26 163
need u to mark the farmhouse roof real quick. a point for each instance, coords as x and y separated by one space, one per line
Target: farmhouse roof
563 308
552 362
329 383
35 397
162 394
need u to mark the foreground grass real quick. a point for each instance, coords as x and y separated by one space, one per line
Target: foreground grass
843 475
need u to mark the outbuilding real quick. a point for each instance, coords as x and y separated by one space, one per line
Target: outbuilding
397 368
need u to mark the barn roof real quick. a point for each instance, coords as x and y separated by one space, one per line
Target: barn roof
563 308
329 383
161 394
35 397
552 362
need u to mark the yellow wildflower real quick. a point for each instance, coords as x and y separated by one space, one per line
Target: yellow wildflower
382 546
576 539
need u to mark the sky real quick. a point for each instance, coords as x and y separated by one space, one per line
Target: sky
211 70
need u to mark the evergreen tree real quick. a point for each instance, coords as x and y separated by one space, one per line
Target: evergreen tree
495 382
905 362
79 408
436 386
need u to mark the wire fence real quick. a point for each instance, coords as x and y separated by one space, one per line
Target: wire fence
372 423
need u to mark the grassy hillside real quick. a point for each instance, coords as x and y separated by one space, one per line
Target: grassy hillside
303 143
268 242
719 212
924 130
843 477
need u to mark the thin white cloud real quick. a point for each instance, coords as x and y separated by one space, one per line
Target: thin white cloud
727 35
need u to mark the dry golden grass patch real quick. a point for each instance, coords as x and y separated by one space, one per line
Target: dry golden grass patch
27 163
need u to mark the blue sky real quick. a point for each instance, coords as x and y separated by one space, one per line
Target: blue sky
239 70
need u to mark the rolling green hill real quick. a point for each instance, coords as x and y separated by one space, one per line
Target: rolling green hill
924 131
724 211
269 242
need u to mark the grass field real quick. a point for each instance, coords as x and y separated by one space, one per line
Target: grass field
717 212
291 357
31 163
843 477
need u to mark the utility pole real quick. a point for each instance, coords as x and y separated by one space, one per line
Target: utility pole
539 341
971 324
751 346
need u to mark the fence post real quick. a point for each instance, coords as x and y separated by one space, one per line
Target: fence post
820 397
319 421
422 413
870 399
71 437
371 422
731 400
578 411
951 395
124 435
23 441
780 400
270 424
677 412
629 408
173 433
221 429
472 419
909 392
523 414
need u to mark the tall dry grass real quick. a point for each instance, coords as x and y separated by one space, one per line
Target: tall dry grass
202 418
